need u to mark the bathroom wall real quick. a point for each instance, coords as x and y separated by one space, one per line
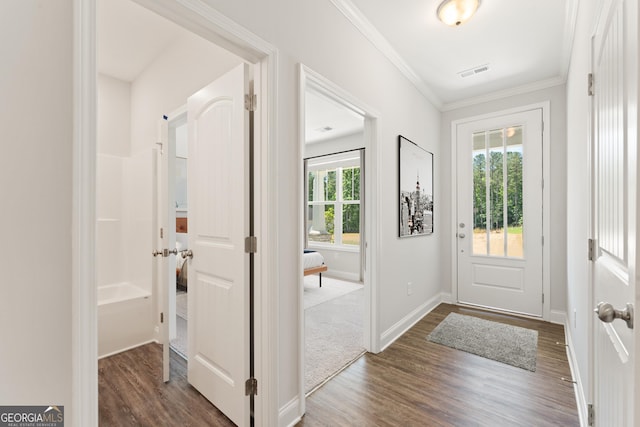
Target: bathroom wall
113 149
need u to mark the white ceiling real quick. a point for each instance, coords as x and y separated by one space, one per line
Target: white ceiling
129 38
326 119
525 43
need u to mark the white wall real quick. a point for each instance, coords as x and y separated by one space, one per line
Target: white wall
335 145
579 307
113 146
557 186
36 195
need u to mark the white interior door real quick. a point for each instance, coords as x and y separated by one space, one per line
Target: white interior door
499 212
218 193
614 218
165 239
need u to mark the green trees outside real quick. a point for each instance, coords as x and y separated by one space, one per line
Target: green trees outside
350 192
496 197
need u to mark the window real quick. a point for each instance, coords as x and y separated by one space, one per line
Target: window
333 200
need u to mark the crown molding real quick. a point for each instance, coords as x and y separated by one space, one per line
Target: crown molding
570 21
493 96
357 18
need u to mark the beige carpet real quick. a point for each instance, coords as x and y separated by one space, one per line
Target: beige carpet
333 335
331 288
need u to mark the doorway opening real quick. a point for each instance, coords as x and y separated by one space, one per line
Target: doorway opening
128 118
333 305
337 230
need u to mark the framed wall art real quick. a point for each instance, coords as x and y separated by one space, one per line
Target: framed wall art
416 189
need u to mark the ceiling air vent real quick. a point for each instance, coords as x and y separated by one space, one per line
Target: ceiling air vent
473 71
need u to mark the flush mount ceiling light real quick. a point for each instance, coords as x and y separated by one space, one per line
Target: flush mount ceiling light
457 12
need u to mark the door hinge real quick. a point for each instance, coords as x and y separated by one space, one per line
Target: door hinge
591 249
590 414
161 317
543 298
161 233
251 387
251 244
251 102
590 84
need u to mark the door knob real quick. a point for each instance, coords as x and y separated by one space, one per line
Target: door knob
461 235
607 313
187 254
165 252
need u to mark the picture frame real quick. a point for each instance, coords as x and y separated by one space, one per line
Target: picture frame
415 173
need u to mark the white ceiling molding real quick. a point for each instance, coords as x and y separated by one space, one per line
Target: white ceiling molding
357 18
493 96
571 17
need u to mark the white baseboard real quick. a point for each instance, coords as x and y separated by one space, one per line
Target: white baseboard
131 347
289 415
578 387
342 275
558 317
404 324
447 297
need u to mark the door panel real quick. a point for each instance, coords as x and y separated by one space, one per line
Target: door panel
167 239
614 212
499 212
219 222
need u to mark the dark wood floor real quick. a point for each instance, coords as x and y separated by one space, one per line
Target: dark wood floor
412 383
132 393
418 383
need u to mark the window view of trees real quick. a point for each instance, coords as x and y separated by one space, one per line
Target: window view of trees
334 205
498 192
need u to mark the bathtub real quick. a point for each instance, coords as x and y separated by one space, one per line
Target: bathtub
125 318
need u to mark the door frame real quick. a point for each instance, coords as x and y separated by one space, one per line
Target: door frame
546 201
201 19
372 231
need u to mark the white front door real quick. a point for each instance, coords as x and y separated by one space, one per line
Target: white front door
218 289
499 212
615 214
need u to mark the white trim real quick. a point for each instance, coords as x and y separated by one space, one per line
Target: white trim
342 275
288 415
546 196
407 322
514 91
311 79
570 20
357 18
198 17
558 317
578 387
84 309
130 347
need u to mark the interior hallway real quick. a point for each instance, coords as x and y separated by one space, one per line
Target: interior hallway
412 383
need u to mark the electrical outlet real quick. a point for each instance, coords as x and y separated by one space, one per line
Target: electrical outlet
409 288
